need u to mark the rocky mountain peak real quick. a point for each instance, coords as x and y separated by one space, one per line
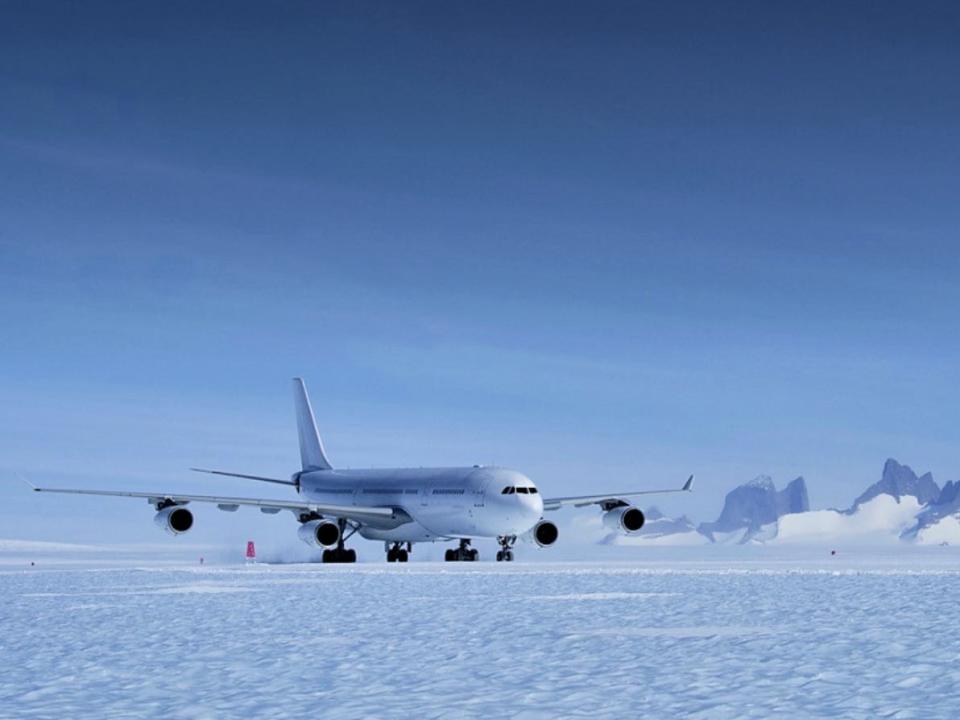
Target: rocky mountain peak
764 482
899 480
757 503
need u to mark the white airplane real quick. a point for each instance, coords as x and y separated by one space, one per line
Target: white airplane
399 506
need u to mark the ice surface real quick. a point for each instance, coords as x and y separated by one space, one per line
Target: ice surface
691 537
672 636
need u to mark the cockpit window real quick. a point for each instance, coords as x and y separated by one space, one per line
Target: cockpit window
522 490
532 491
507 491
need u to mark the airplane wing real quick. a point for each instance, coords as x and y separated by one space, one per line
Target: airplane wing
349 512
610 499
261 478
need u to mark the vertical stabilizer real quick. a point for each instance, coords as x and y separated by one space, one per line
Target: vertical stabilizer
312 456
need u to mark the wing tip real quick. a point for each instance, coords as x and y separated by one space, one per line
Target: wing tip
688 485
26 482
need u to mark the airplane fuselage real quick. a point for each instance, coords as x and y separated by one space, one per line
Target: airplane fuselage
442 503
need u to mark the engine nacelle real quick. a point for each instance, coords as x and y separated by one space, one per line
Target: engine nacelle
319 533
175 519
626 519
543 534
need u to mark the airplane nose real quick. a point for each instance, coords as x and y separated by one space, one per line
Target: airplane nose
533 508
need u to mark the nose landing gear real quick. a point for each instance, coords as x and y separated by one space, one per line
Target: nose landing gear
397 553
464 553
505 554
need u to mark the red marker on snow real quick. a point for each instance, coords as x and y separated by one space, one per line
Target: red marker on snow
251 552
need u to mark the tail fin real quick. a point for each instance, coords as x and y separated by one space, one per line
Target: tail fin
312 456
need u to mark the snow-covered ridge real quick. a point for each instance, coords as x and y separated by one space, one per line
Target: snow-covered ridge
900 507
939 521
24 553
42 546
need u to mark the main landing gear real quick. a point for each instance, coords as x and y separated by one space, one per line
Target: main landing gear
505 553
464 553
340 554
397 553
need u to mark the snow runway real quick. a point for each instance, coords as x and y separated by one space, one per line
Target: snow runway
521 641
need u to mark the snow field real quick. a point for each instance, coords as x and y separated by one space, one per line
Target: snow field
440 641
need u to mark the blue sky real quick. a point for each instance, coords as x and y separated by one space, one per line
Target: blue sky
608 247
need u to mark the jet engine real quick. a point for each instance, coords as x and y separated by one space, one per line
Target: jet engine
175 519
626 519
319 533
543 534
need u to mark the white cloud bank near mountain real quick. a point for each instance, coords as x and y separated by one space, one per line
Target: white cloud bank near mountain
881 519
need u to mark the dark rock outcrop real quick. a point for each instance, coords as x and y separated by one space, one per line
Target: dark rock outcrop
949 495
900 480
758 503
